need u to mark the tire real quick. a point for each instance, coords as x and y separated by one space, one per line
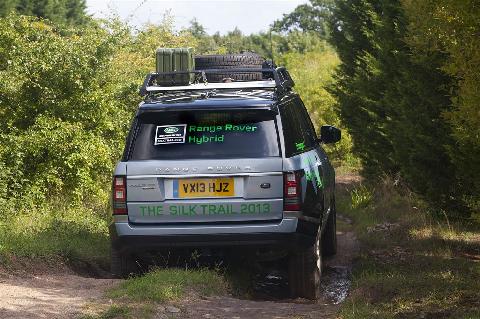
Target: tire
305 271
329 238
211 61
229 61
121 265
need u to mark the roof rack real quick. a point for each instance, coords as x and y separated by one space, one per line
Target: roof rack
276 78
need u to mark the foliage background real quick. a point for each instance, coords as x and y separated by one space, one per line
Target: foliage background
67 96
64 12
407 90
399 77
66 102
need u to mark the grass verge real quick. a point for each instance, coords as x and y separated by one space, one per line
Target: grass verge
170 284
143 296
74 233
411 264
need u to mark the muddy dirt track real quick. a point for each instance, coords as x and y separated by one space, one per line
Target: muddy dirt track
335 285
58 292
43 294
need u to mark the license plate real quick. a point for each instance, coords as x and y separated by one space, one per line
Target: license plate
208 187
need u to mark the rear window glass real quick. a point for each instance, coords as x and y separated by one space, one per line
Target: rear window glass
187 135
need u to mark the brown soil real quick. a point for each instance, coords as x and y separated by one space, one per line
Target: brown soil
48 293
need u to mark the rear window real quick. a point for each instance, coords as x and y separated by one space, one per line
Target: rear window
196 135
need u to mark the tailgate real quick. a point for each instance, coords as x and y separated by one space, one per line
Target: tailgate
220 191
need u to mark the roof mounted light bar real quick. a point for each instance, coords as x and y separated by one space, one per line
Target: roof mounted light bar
276 78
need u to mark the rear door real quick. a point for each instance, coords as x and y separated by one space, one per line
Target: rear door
302 153
197 166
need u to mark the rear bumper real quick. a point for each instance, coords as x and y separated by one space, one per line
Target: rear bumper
129 237
123 227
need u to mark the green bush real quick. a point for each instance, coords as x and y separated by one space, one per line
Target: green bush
67 97
452 27
55 112
407 91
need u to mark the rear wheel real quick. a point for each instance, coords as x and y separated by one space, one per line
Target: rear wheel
229 61
305 270
329 238
122 265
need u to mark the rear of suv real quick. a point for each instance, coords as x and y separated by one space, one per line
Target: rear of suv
235 164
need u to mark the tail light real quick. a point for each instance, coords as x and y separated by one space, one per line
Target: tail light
292 191
119 195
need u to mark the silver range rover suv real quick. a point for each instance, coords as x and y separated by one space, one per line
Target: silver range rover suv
232 165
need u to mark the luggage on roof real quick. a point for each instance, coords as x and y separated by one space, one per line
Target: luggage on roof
176 70
174 60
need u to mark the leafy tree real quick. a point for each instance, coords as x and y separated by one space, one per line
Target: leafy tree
393 99
7 6
314 16
196 29
59 11
63 98
450 28
261 43
75 11
205 43
360 84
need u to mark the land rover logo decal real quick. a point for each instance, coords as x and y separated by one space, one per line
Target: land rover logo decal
170 134
171 129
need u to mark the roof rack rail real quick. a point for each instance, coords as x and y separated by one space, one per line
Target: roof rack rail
277 78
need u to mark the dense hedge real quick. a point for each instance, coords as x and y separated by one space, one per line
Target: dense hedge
408 90
63 12
452 28
66 101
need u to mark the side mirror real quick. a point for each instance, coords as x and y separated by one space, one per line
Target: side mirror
330 134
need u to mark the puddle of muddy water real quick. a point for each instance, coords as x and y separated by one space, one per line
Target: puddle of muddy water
269 279
336 283
272 284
